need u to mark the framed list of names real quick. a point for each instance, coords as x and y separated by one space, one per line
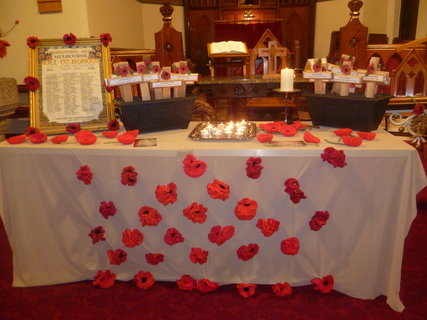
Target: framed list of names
72 87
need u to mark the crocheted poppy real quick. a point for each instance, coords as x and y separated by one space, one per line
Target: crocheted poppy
129 176
154 258
110 134
218 190
343 132
17 139
246 290
133 238
334 157
288 130
31 130
97 234
367 135
254 167
81 132
32 83
107 209
282 289
113 125
352 141
104 279
196 212
271 127
318 220
293 189
117 257
186 283
290 246
166 194
310 138
246 253
268 227
143 280
325 285
73 127
264 137
59 139
70 39
198 255
105 38
192 167
86 138
38 138
126 138
149 216
84 174
419 109
219 235
32 42
173 236
205 286
246 209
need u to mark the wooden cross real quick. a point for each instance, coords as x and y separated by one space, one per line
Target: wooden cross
271 54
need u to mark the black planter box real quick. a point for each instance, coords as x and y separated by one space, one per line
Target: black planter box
156 115
354 111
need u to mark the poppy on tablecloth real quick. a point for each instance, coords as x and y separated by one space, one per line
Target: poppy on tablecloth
196 212
166 194
149 216
143 280
219 235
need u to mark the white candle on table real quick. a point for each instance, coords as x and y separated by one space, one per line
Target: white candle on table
287 79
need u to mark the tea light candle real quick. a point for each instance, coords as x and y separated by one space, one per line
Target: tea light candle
286 79
239 134
217 134
204 133
228 134
221 126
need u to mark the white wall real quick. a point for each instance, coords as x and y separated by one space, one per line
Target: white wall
422 20
73 19
122 19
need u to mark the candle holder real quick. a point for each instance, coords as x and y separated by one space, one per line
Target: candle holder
287 95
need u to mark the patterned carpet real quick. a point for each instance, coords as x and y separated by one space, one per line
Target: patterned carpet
164 300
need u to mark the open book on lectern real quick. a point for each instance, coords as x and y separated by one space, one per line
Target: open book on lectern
225 47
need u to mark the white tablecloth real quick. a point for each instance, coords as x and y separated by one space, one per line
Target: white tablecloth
48 213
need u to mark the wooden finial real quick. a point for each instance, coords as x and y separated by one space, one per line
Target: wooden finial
166 10
355 6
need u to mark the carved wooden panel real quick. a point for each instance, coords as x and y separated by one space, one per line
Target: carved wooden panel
297 24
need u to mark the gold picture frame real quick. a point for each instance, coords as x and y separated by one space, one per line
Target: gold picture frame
72 87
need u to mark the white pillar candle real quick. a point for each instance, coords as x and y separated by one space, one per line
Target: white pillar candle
286 79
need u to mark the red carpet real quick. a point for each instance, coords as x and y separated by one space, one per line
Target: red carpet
164 300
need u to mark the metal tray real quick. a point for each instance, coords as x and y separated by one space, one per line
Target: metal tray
248 134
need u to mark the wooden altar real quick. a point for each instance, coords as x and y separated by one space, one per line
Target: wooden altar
295 18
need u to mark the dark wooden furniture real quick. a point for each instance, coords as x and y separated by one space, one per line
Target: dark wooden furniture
296 21
237 90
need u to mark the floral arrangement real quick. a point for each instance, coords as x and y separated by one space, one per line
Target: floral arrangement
3 43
